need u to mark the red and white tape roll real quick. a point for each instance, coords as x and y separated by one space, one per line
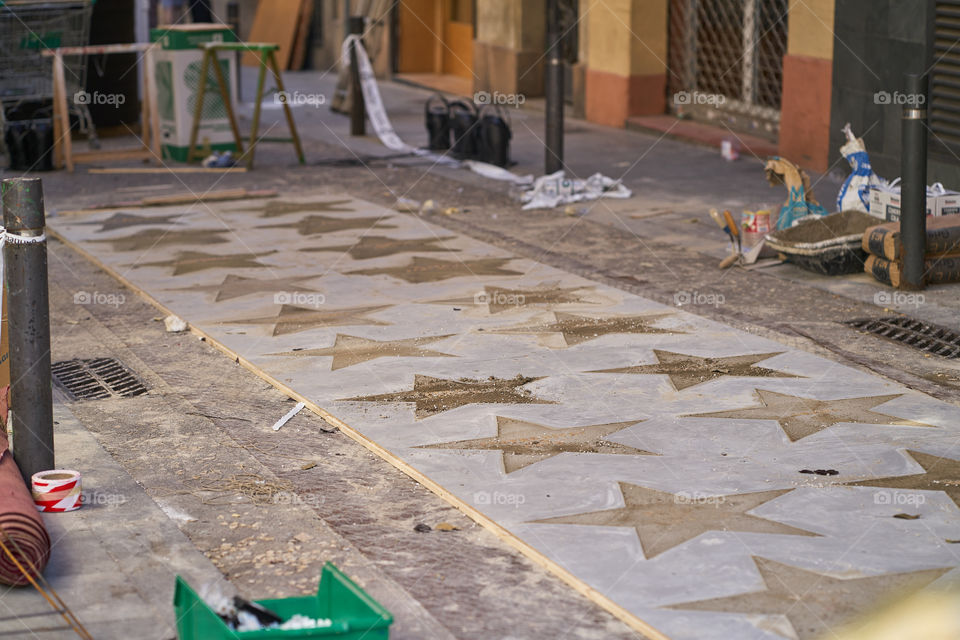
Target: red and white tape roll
57 490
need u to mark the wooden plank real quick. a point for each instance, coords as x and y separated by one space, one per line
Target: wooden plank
151 97
57 128
536 556
275 21
168 170
299 53
112 154
60 86
176 199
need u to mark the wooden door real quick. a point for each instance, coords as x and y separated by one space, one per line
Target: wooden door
435 36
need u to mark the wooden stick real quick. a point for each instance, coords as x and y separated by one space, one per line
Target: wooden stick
168 170
112 154
151 98
174 199
61 88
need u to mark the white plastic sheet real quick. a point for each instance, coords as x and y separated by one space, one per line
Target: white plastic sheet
555 189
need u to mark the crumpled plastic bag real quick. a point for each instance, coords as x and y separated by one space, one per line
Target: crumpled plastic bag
855 193
800 202
555 189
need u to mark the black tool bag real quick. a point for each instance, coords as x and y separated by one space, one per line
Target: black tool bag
29 141
437 116
463 123
493 135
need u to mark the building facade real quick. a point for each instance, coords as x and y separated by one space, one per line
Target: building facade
783 76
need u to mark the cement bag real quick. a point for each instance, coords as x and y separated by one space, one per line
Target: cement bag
855 193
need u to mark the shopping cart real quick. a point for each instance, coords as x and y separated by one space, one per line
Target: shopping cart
27 27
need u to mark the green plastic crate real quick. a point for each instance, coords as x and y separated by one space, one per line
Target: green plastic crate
355 614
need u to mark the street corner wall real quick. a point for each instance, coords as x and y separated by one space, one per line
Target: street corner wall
626 53
807 84
508 46
877 42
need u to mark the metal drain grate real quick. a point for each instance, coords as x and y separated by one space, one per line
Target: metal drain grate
96 379
919 335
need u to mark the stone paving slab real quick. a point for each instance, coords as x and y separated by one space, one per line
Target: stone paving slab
676 449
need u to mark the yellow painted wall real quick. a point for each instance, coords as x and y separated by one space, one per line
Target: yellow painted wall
650 26
626 37
512 24
499 22
608 37
811 29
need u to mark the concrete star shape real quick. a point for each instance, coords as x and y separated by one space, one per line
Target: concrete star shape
525 443
814 603
499 299
802 417
237 286
574 329
378 246
421 270
350 350
939 474
665 520
436 395
687 371
146 239
312 225
294 319
192 261
122 220
275 208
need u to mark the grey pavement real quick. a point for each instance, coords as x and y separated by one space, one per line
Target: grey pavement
114 560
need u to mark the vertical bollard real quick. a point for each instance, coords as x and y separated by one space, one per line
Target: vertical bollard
358 110
554 91
913 195
25 275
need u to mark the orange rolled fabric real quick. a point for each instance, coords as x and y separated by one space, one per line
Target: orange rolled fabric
23 532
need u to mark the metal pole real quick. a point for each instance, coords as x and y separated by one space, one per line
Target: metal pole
554 91
25 275
357 107
913 195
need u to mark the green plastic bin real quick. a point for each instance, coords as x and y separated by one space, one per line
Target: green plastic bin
355 614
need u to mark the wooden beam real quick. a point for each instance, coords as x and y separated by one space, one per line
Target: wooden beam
168 170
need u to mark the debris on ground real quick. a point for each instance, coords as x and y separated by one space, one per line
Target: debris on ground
174 324
446 526
285 419
219 160
906 516
407 205
422 528
555 189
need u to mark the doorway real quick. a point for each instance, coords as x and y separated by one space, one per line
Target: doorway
434 44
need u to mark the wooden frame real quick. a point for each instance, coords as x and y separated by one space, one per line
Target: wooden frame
63 153
264 53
